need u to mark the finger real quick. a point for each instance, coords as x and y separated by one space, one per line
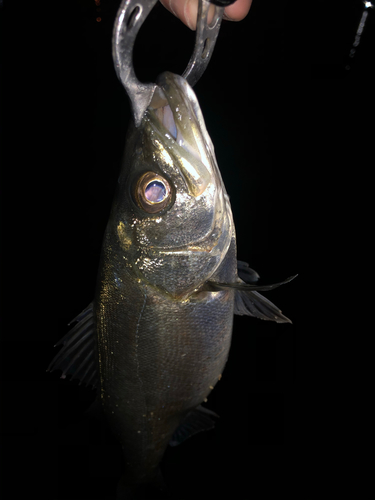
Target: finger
187 11
238 10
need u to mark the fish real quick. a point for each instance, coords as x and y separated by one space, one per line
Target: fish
155 340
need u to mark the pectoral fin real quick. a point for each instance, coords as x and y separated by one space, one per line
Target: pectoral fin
245 272
254 304
245 287
76 357
248 302
197 420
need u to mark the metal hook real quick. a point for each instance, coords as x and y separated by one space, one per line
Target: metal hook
130 18
205 40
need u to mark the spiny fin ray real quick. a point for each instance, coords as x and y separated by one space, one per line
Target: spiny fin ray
76 356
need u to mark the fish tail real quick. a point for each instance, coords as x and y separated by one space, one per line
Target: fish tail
154 488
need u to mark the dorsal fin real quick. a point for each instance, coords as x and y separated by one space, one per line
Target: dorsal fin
76 357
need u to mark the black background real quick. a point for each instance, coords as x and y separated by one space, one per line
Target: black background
64 134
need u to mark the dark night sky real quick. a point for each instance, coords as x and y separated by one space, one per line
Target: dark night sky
64 135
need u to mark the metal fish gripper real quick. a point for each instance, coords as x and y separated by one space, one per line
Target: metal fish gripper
130 17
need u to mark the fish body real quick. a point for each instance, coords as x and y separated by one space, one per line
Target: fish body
162 342
156 338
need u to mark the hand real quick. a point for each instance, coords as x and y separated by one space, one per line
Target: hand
186 10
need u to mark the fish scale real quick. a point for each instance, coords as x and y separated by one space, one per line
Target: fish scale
168 363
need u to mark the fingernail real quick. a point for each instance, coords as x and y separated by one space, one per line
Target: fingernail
188 8
227 18
170 3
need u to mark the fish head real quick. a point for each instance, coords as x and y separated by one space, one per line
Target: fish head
173 217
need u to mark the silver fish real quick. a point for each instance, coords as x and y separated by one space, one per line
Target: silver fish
156 338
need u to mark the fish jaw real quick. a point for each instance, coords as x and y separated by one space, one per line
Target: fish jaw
181 271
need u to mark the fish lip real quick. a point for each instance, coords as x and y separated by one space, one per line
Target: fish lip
184 250
175 115
177 93
169 85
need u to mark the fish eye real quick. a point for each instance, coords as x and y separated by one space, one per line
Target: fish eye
153 192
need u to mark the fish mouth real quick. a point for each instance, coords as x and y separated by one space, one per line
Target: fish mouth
175 112
176 118
183 247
